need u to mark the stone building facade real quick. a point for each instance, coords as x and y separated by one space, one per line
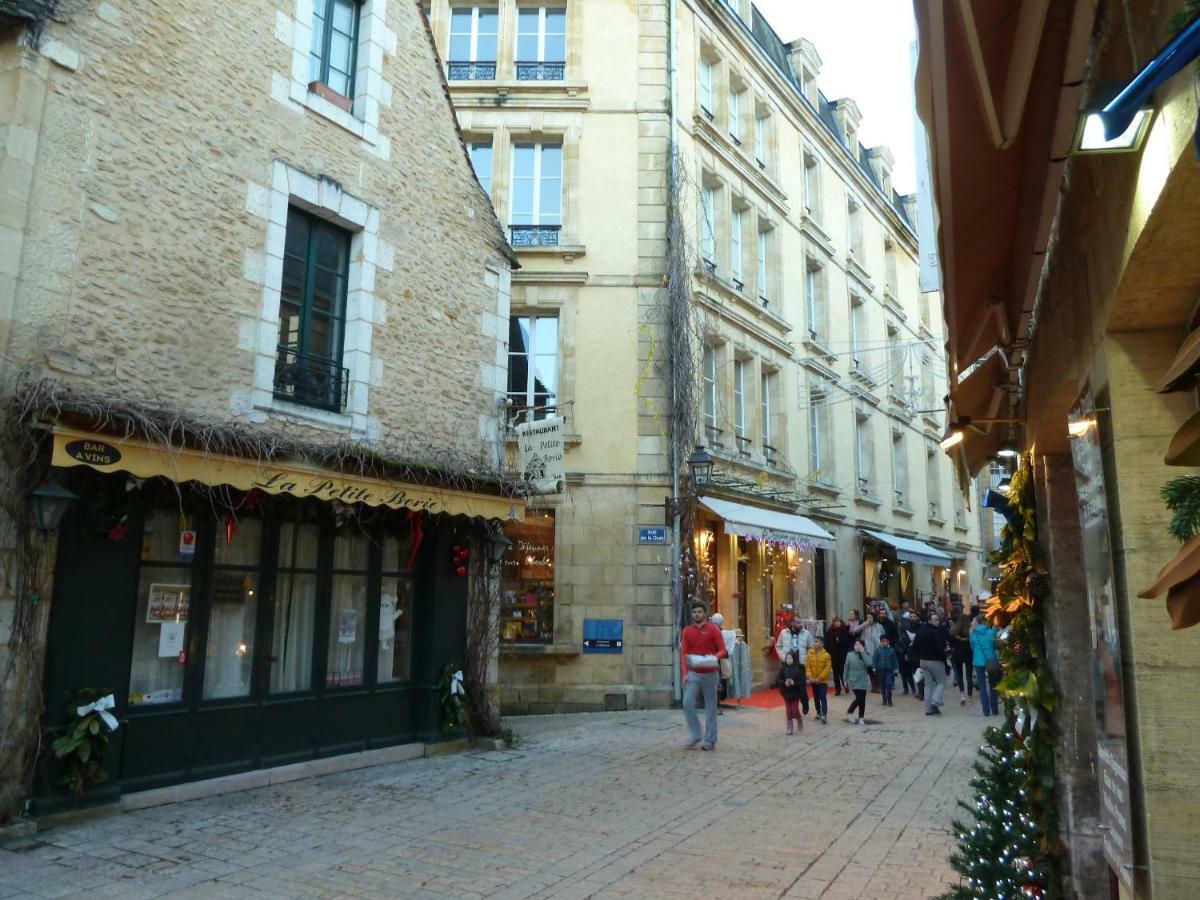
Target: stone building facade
231 243
817 356
1100 322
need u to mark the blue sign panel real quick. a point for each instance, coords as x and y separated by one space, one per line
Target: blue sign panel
603 635
652 535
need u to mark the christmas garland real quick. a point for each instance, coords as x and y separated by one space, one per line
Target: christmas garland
1012 849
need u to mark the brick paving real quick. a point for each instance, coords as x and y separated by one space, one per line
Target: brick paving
601 805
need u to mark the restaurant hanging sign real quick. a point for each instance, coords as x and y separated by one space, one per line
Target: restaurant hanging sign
543 455
144 460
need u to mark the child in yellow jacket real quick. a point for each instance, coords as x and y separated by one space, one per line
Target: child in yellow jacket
820 668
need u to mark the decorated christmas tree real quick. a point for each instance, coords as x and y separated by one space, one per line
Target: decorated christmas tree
999 856
1012 848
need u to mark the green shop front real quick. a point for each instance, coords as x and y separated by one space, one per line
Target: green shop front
246 615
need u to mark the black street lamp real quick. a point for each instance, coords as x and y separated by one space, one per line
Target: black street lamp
500 545
50 502
700 464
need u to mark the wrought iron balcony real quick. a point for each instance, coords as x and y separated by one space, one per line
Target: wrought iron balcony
311 380
535 235
541 71
466 70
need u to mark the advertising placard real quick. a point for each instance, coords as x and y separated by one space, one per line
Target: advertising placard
168 603
543 454
1106 640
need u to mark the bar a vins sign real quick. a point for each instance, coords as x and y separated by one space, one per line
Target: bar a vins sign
94 453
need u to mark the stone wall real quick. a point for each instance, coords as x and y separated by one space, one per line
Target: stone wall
141 261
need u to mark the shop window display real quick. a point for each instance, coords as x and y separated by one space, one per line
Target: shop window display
395 611
348 611
527 581
164 600
233 608
295 608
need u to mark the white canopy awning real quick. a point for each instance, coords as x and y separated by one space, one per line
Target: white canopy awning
912 550
768 525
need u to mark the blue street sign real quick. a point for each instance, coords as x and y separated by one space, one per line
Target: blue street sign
603 635
652 535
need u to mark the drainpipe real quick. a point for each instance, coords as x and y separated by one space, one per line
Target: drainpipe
676 546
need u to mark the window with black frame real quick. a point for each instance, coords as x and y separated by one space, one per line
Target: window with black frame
312 313
333 56
156 671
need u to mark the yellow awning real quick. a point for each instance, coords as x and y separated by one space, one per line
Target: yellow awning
145 460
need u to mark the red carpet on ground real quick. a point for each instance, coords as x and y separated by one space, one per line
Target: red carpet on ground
767 698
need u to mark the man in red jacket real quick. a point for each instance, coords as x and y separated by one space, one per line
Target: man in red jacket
701 647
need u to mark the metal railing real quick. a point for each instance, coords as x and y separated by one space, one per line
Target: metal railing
534 235
468 70
311 380
541 71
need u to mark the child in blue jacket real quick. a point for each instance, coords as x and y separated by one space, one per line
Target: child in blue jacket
885 664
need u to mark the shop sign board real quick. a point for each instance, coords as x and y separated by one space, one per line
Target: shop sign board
652 535
1111 749
543 454
145 460
603 635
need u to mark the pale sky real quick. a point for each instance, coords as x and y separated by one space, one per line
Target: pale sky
864 49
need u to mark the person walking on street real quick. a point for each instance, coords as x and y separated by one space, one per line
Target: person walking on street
855 623
884 663
839 642
885 622
820 667
701 649
960 656
790 682
857 675
905 657
798 640
987 665
870 637
930 647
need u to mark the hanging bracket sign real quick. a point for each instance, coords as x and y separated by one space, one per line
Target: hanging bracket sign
543 455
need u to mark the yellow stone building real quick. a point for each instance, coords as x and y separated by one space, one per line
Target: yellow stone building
818 367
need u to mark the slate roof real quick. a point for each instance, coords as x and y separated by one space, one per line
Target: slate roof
777 52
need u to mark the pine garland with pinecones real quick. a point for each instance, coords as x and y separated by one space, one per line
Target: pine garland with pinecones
1012 849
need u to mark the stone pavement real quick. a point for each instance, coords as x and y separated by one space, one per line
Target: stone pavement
599 805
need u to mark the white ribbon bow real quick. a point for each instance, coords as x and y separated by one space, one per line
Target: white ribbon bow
100 708
456 683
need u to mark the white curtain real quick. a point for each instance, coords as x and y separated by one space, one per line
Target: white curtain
295 615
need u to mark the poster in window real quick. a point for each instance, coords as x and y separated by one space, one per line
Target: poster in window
1111 750
168 603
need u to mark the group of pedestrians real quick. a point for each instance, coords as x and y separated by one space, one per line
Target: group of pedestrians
869 653
855 656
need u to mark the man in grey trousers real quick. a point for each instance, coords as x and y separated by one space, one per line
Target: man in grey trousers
930 647
701 647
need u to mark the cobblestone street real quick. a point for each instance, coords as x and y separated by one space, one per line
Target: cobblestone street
598 805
